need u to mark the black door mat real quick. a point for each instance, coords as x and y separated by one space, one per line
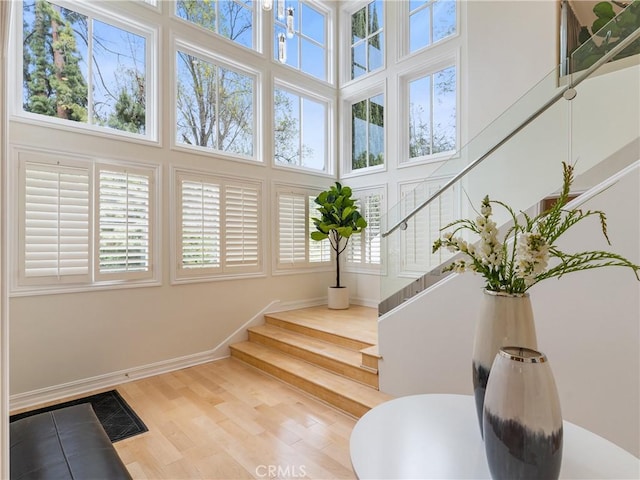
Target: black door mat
116 416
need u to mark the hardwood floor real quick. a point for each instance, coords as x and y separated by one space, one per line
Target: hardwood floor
226 420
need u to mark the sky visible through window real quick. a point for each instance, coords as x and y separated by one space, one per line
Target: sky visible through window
82 69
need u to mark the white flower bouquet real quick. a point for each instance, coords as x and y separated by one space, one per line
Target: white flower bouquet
527 253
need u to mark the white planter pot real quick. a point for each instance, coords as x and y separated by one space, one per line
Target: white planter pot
338 298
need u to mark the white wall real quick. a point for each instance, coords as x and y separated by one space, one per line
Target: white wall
588 324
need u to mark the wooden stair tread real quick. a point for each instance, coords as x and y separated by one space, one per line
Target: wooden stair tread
311 344
354 328
371 351
313 379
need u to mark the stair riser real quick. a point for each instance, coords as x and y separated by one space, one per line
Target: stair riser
326 336
370 361
349 406
354 373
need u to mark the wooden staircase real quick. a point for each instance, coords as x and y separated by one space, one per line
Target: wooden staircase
331 354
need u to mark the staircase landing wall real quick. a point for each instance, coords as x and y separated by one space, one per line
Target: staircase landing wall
588 324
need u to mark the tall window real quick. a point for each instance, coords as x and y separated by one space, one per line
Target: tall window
432 114
218 226
367 133
300 130
305 44
232 19
364 248
84 69
214 106
83 223
367 39
430 21
296 207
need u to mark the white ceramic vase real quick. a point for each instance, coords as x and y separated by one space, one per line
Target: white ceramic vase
504 320
522 417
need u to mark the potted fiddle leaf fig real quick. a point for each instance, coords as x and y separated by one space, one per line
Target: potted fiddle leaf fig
338 219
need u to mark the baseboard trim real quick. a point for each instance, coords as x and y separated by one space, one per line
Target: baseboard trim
296 305
57 392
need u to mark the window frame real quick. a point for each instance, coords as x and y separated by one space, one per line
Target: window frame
219 61
130 23
405 25
181 275
19 156
100 276
439 63
256 9
328 46
379 88
329 163
347 15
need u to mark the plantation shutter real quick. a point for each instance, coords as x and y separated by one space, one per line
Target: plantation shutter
372 214
354 252
124 222
292 228
199 225
55 223
424 228
442 213
318 251
242 217
415 239
364 247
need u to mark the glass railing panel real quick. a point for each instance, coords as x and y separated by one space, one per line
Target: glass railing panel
608 37
502 126
540 133
407 253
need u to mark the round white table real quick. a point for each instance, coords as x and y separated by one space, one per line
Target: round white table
437 436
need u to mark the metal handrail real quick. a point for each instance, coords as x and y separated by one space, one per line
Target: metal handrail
567 91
